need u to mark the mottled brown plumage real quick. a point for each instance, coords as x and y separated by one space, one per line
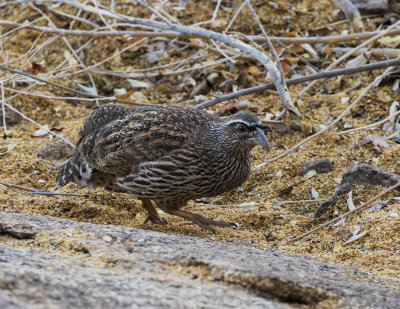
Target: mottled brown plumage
167 155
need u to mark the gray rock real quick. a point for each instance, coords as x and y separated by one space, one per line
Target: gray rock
358 174
139 268
371 6
12 118
315 104
320 166
57 150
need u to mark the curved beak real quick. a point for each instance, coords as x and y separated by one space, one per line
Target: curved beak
262 139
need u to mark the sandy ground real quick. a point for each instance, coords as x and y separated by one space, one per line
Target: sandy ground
268 223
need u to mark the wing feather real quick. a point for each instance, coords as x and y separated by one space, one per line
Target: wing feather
137 135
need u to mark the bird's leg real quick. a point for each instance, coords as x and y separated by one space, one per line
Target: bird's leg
201 221
152 216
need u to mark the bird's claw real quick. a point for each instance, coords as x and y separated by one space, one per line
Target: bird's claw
209 224
155 220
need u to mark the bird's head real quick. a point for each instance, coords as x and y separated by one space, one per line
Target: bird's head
244 130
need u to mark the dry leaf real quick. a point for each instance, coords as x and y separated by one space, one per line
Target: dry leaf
379 142
390 41
350 203
4 148
314 194
125 96
35 66
119 91
286 66
90 90
310 174
357 61
71 60
138 83
355 235
229 109
44 130
138 97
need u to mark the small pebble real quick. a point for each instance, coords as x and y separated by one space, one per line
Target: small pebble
107 238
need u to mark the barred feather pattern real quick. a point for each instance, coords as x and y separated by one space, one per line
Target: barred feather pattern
166 154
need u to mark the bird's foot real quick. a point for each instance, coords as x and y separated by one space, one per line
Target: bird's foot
156 220
203 222
209 224
152 216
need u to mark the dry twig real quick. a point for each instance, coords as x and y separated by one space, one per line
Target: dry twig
170 34
68 89
207 34
36 191
298 80
371 125
350 53
363 205
352 14
332 124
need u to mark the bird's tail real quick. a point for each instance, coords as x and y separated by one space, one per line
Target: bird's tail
76 170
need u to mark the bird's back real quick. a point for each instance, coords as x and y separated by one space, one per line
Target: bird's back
140 134
101 117
115 140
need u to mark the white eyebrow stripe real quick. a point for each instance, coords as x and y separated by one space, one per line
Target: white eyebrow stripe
252 124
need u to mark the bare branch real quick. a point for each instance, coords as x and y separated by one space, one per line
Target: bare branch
91 33
66 88
170 34
207 34
352 14
332 124
273 51
345 56
299 80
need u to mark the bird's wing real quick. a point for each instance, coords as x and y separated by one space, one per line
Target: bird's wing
100 117
147 134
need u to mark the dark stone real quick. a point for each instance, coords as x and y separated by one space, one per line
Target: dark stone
358 174
315 104
57 150
371 6
320 166
12 118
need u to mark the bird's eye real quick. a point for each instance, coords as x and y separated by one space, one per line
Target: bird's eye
242 128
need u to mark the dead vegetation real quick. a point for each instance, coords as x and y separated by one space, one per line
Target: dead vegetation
59 60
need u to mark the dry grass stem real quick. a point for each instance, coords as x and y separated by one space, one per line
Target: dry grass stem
362 206
350 53
372 125
377 52
332 124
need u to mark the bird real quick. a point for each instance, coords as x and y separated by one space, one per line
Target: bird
164 155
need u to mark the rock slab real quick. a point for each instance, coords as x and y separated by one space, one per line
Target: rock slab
47 262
